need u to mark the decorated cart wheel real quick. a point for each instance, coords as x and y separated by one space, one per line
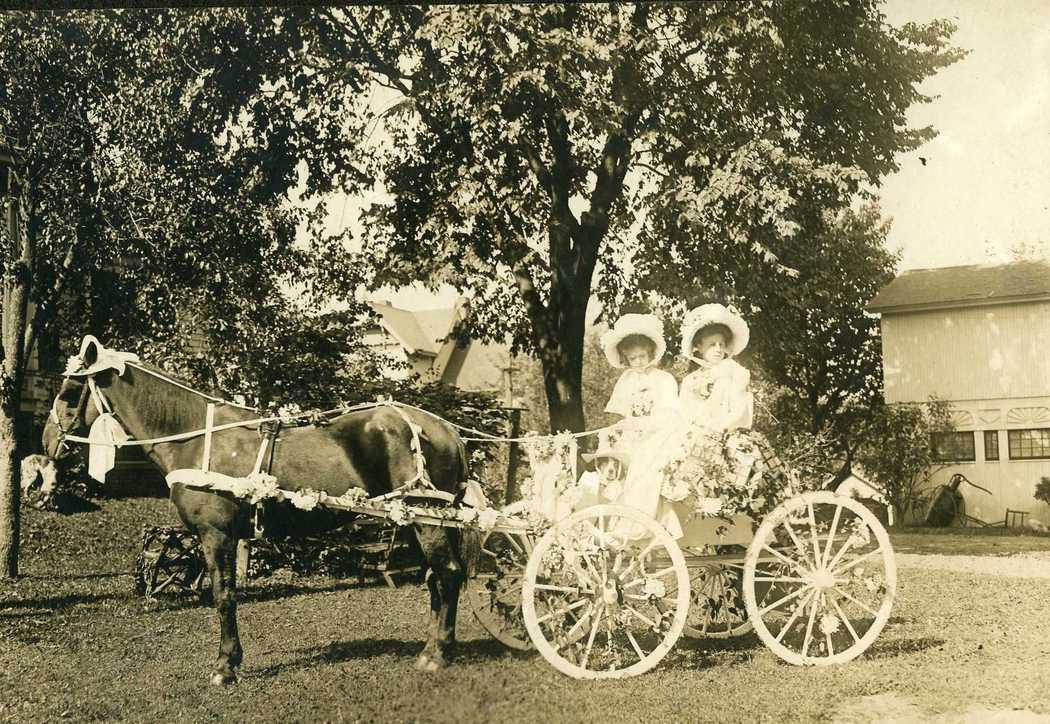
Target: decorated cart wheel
829 576
606 593
494 596
717 610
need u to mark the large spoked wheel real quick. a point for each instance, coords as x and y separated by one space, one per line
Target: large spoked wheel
718 610
606 593
820 579
494 597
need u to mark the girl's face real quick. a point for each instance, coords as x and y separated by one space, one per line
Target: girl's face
711 347
636 356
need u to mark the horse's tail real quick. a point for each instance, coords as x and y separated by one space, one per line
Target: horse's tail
470 538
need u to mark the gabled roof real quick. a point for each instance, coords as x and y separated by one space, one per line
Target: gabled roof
961 286
420 331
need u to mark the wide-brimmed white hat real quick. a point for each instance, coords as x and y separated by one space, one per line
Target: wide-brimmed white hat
645 325
615 453
708 314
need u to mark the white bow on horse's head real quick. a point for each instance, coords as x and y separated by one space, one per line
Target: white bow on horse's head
95 358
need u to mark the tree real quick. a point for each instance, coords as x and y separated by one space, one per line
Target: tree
157 196
895 449
811 333
532 145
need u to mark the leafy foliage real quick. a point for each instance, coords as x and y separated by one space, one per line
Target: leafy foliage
895 449
532 145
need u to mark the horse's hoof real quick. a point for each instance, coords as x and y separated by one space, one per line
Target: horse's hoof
429 664
223 678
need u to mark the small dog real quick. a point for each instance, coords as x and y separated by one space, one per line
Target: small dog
43 468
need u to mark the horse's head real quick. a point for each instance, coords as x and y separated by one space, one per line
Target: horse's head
72 412
70 415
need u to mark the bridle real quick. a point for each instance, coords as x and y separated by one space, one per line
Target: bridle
63 433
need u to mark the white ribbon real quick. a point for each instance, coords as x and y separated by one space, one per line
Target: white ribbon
105 437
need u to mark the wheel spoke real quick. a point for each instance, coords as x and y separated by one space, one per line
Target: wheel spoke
559 589
794 616
856 561
787 561
662 572
634 644
780 579
831 535
578 624
795 539
563 611
813 533
590 638
643 618
809 624
855 601
838 556
515 545
795 594
842 616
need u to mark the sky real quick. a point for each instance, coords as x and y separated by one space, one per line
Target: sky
986 182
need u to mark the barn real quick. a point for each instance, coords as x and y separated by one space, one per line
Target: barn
979 337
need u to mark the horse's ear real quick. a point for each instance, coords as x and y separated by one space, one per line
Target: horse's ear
89 350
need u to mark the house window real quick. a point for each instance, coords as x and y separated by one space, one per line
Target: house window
991 444
953 447
1029 444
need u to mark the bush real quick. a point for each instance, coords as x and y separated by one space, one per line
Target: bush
1042 490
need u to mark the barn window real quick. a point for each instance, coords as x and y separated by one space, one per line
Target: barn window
1029 444
950 447
991 444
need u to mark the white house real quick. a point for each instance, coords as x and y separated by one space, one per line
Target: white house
979 337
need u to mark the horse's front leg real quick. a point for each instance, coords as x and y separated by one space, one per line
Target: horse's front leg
220 553
444 579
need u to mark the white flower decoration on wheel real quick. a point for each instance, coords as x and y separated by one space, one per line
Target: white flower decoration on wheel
654 587
829 624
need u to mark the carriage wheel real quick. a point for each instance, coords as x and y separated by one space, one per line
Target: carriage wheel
170 560
495 596
718 610
830 577
606 593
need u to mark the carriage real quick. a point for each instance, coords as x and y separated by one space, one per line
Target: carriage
600 591
605 591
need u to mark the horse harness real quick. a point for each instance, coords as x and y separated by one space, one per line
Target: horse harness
269 430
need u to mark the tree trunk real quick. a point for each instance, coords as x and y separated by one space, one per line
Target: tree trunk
16 293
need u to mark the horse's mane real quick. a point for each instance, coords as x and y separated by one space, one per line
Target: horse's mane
170 406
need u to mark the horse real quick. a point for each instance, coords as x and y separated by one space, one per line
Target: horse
370 449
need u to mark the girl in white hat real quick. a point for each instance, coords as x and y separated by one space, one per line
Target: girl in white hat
717 393
716 396
646 397
636 345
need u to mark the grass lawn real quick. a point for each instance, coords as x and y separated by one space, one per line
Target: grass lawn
968 541
76 644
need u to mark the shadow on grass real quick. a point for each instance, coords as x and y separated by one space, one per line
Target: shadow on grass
277 591
53 604
467 652
77 577
891 648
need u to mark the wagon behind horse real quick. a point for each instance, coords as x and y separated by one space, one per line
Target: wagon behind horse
193 437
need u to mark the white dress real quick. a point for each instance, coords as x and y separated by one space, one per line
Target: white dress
716 398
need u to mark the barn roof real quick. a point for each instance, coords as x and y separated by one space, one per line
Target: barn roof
959 286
